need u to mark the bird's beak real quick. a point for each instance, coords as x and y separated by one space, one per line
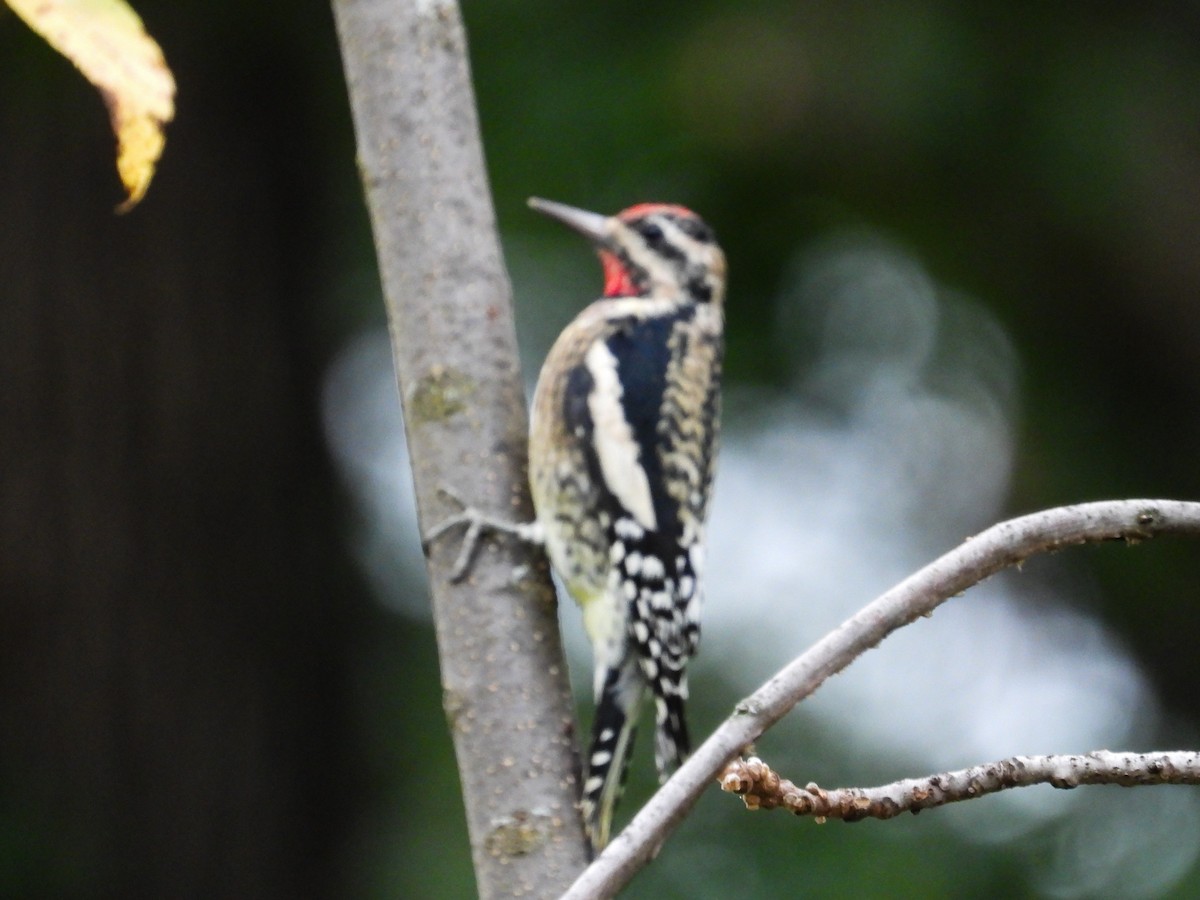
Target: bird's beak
592 226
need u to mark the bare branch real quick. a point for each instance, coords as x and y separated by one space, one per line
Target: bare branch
760 787
1000 546
449 311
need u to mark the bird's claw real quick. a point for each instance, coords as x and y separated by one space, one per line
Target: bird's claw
476 521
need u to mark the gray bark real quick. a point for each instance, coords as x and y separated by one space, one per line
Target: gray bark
448 301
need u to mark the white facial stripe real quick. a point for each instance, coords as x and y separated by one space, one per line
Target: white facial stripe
661 270
653 264
692 248
613 439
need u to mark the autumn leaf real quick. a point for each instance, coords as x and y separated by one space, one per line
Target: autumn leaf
107 43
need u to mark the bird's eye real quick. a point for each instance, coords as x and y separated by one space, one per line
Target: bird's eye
651 232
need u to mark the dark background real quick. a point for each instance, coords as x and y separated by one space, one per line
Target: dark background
198 695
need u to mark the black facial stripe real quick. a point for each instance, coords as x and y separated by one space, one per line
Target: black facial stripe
650 231
699 289
657 240
637 275
667 250
694 228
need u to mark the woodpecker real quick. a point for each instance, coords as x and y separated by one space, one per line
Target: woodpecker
622 446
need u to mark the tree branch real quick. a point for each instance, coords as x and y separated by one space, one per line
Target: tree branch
1000 546
454 343
762 788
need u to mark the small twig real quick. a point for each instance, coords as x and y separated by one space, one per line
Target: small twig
760 787
999 547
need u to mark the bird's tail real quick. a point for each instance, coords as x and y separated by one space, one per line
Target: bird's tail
671 742
612 742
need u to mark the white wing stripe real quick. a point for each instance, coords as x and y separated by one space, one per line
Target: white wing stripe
612 437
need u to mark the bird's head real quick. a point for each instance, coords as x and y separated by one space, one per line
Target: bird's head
650 250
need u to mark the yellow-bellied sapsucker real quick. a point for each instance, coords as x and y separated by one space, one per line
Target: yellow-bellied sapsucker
622 444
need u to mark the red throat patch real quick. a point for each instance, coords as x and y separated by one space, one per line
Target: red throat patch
617 282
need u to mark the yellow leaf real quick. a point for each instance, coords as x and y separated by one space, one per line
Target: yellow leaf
106 41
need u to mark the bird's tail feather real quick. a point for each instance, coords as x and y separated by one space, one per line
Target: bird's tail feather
612 742
671 741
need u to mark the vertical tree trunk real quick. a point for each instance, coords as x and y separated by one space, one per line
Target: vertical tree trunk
454 342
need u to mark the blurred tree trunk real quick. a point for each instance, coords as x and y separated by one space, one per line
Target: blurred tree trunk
171 635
